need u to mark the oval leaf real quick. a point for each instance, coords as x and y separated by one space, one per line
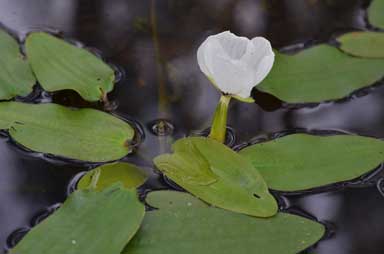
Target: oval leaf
83 134
363 44
168 199
188 228
375 13
89 222
16 77
300 161
128 174
218 175
59 65
320 73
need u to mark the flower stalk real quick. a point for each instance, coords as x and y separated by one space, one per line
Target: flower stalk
219 123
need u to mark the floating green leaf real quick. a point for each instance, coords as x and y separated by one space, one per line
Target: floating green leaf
173 200
188 226
218 175
300 161
83 134
128 174
375 13
363 44
89 222
16 77
320 73
59 65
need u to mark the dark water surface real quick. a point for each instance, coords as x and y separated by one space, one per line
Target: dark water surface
153 44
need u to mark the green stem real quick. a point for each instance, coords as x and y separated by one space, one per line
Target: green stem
94 179
219 124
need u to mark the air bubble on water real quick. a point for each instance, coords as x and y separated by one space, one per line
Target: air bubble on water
161 127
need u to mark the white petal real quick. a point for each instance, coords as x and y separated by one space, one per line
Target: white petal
263 69
232 76
246 92
234 46
235 64
201 52
208 51
257 49
259 58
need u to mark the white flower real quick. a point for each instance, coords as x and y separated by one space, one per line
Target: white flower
235 64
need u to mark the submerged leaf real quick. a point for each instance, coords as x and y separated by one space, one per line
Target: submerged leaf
217 175
59 65
320 73
300 161
83 134
190 227
363 44
89 222
376 13
128 174
16 78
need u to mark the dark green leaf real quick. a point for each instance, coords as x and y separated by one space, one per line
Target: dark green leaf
59 65
363 44
375 13
191 227
89 222
128 174
84 134
16 77
320 73
300 161
218 175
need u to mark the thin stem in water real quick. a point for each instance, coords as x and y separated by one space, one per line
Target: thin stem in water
219 124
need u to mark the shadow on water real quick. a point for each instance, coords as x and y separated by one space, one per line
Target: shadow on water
153 44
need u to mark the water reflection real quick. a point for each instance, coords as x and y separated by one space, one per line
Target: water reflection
27 185
250 17
354 215
22 16
362 115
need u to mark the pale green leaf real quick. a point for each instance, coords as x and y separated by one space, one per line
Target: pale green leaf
168 199
217 175
59 65
363 44
128 174
189 227
89 222
376 13
320 73
82 134
16 78
300 161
